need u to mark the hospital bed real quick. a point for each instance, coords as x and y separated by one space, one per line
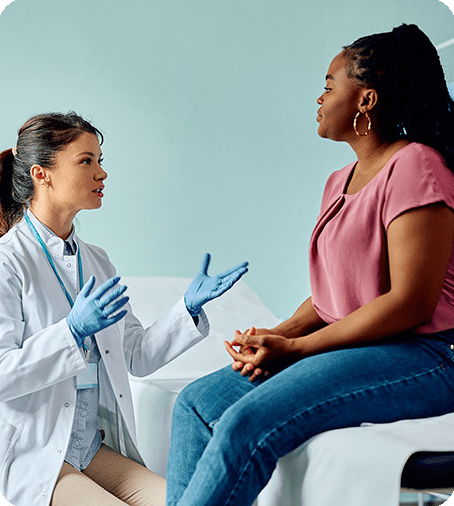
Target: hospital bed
359 466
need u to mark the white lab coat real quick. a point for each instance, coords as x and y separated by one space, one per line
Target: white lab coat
39 359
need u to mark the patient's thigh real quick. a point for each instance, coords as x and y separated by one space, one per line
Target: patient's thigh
123 478
211 395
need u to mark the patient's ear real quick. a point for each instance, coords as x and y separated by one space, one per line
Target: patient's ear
368 100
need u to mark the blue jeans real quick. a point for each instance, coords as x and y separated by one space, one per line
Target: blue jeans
228 433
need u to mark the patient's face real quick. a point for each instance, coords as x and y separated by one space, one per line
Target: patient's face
339 103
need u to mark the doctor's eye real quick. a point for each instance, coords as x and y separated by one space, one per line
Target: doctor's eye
327 90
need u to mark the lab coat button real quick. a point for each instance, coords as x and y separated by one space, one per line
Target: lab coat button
107 352
68 265
66 404
121 396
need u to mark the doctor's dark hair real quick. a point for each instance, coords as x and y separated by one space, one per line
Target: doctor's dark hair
404 68
38 142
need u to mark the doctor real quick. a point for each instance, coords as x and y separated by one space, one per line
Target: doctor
68 337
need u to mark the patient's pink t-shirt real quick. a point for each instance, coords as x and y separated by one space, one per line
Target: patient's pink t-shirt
348 258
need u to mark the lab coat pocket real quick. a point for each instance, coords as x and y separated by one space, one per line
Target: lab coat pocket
8 436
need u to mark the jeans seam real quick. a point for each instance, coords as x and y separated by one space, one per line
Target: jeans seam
259 444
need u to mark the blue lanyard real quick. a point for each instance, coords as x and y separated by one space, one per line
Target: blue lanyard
51 262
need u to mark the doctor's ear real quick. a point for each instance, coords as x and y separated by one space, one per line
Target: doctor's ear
39 175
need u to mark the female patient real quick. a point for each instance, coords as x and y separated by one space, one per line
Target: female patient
66 344
375 341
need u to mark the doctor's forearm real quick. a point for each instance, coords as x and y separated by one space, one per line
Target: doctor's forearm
46 358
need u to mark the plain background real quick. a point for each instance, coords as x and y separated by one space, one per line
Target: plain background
208 109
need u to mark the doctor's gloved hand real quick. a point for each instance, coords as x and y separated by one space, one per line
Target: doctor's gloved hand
92 311
205 288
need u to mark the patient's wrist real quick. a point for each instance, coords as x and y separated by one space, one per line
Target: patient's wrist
280 330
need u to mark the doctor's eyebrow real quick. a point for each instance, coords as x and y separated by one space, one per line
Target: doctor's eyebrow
87 153
329 76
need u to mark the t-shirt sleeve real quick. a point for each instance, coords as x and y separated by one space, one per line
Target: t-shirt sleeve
419 177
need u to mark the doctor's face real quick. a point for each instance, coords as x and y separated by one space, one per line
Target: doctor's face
76 179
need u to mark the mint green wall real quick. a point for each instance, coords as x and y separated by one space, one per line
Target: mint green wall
208 109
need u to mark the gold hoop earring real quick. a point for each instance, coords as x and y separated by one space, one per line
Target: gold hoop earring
369 125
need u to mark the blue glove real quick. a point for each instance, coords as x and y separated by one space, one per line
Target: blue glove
205 288
91 311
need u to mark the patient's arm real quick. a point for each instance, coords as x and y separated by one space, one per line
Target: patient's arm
420 243
304 321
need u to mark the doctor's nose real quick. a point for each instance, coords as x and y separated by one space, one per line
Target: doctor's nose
102 174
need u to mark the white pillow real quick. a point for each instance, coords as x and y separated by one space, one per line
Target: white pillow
239 308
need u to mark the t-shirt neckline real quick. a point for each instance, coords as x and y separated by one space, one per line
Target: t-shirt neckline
375 178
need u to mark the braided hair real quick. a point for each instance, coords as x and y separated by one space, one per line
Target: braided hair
414 103
39 141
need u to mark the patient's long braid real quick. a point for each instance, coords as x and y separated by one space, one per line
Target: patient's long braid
405 69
